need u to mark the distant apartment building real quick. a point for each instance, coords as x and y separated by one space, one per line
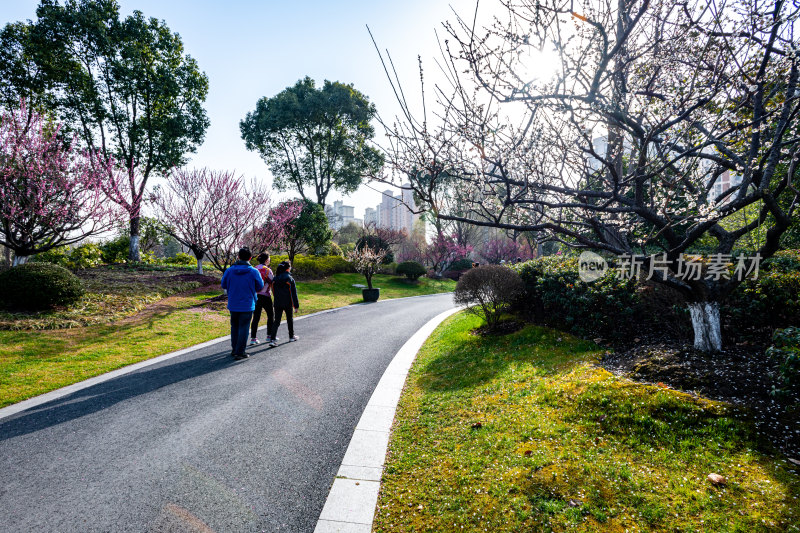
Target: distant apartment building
370 216
723 184
340 215
394 212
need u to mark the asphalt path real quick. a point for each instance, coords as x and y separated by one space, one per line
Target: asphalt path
201 442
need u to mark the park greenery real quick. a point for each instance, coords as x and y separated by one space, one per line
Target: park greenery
534 409
315 138
126 87
625 149
526 432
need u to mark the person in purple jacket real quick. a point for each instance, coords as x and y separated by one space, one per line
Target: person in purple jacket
242 282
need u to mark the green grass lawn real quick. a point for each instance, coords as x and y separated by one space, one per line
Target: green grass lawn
564 445
33 362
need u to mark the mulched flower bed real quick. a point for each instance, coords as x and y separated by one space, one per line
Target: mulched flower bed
740 375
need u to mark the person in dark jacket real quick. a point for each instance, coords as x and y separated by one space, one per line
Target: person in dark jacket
242 282
264 299
285 293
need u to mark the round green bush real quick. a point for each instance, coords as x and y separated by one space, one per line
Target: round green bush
461 264
37 286
410 269
116 250
336 250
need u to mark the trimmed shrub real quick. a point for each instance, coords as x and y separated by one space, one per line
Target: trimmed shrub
785 350
116 250
771 301
335 250
37 286
315 267
489 291
181 258
555 295
86 255
461 264
410 269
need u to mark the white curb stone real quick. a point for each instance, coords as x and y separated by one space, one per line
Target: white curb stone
350 507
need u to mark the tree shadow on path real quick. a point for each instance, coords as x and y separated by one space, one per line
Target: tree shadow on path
103 395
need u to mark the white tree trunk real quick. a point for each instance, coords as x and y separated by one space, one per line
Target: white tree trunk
200 266
134 251
707 330
20 260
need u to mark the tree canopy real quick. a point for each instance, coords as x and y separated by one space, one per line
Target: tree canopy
126 86
315 138
633 144
308 232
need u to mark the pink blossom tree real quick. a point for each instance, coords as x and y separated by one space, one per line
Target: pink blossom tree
442 251
50 192
497 250
213 213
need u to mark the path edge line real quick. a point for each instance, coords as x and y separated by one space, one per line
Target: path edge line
353 497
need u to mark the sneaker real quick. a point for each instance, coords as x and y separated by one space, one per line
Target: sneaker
276 338
241 356
254 341
293 338
272 343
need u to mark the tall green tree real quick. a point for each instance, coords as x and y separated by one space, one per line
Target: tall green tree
126 86
308 232
316 138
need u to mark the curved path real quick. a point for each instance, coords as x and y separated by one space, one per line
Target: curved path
202 443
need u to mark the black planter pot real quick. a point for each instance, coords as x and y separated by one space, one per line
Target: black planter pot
370 295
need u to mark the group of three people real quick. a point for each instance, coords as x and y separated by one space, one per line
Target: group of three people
251 290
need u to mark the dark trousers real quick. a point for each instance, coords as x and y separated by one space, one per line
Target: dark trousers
289 320
240 324
264 302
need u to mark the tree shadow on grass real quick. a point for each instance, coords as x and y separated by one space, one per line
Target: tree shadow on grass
473 360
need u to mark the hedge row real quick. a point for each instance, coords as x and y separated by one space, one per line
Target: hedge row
555 295
616 309
307 267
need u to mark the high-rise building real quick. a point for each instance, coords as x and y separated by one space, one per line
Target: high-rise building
340 215
394 212
370 217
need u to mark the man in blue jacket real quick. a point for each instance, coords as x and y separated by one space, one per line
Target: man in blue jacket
242 282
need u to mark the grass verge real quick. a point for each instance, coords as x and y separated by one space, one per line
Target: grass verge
525 433
112 292
33 362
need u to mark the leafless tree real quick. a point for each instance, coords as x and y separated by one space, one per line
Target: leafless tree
652 104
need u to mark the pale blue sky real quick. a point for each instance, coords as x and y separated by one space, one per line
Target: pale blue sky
251 49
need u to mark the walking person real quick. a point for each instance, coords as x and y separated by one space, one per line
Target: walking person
242 282
263 300
284 291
